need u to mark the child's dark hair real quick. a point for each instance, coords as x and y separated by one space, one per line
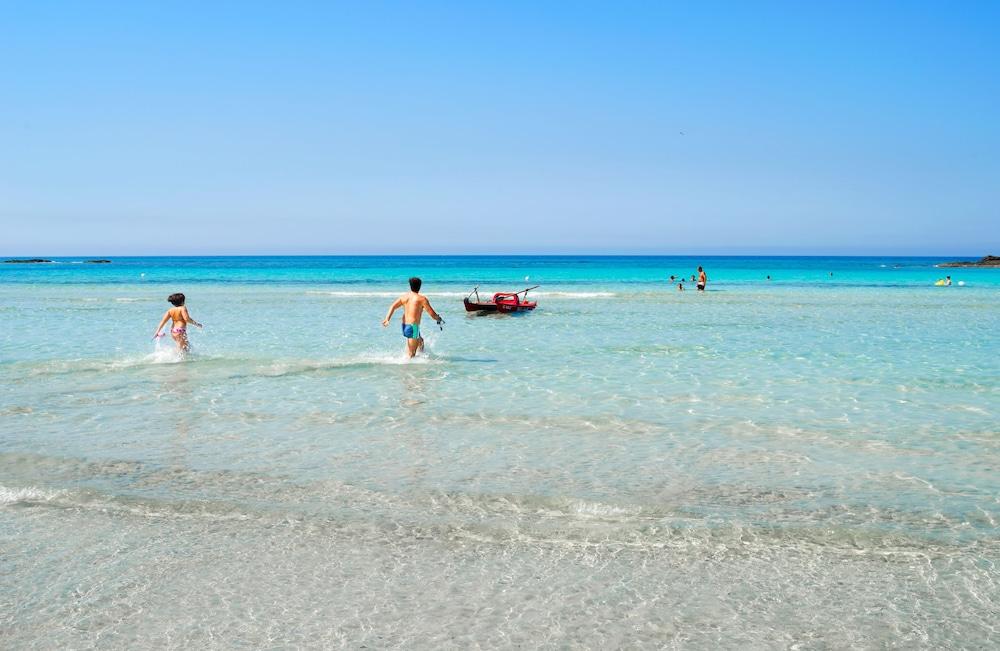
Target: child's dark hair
176 299
415 284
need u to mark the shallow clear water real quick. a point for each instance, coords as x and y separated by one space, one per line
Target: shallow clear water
811 461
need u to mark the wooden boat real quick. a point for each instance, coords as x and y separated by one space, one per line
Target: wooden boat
502 302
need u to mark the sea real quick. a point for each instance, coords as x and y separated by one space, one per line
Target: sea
805 461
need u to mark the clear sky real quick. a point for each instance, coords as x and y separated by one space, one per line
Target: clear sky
502 127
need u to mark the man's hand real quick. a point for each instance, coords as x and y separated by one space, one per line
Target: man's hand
385 322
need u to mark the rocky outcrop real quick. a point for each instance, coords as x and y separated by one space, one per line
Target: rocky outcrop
988 261
97 261
28 261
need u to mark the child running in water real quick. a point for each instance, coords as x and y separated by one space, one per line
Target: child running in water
180 318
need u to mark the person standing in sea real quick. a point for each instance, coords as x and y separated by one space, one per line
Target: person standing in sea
180 318
702 279
414 303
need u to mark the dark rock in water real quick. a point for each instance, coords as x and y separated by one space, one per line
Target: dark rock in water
988 261
28 261
97 261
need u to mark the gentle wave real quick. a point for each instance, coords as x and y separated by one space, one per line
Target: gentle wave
674 515
368 359
575 294
536 294
164 355
260 367
537 521
376 294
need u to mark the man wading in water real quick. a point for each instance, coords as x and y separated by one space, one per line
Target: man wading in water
413 305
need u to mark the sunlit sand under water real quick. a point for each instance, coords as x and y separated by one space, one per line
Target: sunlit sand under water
801 466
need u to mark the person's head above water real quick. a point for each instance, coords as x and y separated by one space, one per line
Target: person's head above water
176 299
415 284
699 268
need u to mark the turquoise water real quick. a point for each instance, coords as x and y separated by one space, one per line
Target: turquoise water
806 462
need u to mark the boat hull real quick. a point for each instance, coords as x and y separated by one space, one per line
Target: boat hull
502 307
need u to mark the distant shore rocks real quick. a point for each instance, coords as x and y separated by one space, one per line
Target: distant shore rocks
97 261
988 261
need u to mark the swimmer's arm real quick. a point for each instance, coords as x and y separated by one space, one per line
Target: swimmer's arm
430 310
163 321
392 310
187 317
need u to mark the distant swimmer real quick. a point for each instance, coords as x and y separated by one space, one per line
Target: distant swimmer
180 318
414 303
673 278
947 281
702 279
769 278
680 287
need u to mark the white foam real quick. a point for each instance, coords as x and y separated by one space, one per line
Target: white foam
372 294
163 353
587 508
354 294
392 359
364 359
574 294
10 496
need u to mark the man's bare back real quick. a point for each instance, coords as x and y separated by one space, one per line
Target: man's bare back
413 306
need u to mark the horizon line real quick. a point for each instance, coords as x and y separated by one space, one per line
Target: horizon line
493 255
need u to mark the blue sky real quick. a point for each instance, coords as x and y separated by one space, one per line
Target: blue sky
242 128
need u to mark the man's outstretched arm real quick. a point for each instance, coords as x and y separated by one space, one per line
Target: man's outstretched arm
392 309
430 310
